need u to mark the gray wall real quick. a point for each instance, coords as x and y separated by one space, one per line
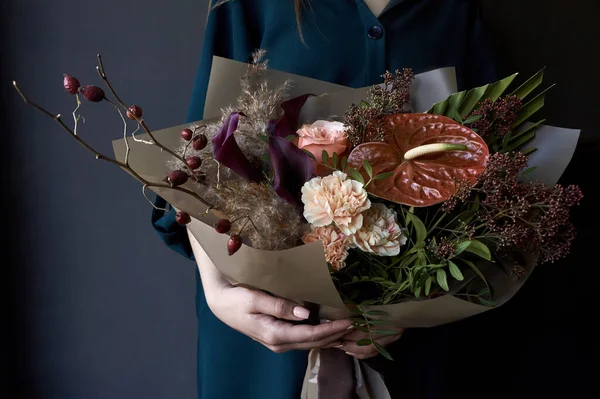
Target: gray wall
100 308
106 310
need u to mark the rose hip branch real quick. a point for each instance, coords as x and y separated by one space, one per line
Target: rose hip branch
95 94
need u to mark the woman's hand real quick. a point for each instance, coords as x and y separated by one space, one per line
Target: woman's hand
365 352
263 317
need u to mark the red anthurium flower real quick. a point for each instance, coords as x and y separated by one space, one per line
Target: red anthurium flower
429 155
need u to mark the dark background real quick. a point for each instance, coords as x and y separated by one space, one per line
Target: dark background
95 306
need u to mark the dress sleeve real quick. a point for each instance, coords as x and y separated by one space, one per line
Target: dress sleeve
480 62
227 35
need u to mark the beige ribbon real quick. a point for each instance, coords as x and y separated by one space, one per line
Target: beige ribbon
342 377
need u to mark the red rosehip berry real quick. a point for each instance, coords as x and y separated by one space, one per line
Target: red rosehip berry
177 177
223 226
187 134
234 244
93 93
71 84
134 110
200 142
183 218
194 162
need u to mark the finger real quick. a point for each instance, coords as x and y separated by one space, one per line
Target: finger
276 332
357 334
333 342
279 308
350 346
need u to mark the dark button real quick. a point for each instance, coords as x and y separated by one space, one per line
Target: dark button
375 32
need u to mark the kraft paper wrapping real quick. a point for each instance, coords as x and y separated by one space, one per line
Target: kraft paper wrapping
301 274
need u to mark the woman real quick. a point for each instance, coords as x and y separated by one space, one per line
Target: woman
348 42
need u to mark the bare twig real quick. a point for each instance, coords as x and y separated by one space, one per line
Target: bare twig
102 73
103 157
75 116
139 140
144 187
127 148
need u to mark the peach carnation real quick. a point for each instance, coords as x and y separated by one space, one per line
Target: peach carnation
335 244
380 233
336 199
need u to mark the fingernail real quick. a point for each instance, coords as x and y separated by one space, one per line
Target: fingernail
323 321
350 328
338 346
301 312
350 354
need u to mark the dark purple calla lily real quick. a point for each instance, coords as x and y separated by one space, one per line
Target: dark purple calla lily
288 123
291 169
226 150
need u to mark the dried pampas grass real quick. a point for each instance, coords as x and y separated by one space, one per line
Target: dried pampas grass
276 224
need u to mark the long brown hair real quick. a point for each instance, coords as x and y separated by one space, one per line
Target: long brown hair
299 5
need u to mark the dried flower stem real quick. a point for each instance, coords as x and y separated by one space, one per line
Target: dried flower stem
139 140
103 157
144 187
102 73
75 116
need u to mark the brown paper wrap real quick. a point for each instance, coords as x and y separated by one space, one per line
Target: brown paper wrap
301 274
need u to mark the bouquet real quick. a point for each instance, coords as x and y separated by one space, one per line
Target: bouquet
406 203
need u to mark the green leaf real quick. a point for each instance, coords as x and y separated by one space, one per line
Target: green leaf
531 108
461 247
452 113
471 99
418 292
356 175
476 203
364 104
419 227
528 170
495 90
376 313
472 119
428 285
336 159
476 270
533 126
344 163
264 137
455 271
364 342
455 99
520 141
310 154
442 279
291 137
385 175
368 168
480 249
383 352
440 108
378 322
325 156
530 85
528 151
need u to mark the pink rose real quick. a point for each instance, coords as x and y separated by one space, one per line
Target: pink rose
324 136
335 244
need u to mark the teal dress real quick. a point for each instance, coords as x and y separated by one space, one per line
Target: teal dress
345 44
